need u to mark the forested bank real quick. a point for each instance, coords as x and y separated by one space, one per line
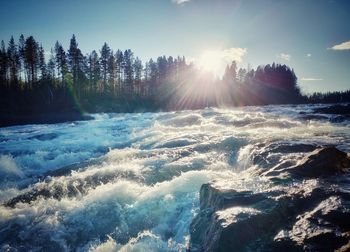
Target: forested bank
64 83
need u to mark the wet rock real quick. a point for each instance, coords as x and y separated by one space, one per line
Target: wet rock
225 219
322 162
314 230
66 170
345 248
271 154
215 198
68 187
298 218
302 214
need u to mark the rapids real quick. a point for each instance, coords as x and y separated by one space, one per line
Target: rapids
130 182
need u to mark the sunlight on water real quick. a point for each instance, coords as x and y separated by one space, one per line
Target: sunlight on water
137 184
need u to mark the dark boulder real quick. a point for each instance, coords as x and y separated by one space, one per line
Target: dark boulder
299 218
322 162
305 211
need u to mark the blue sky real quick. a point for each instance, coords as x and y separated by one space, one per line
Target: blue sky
299 33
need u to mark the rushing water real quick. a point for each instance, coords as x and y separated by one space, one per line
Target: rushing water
131 181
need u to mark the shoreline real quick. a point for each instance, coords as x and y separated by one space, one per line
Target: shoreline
7 120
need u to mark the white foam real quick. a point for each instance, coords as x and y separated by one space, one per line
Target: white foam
143 190
9 168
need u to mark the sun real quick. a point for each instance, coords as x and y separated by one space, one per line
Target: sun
211 61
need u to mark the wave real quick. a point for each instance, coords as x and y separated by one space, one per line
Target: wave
130 182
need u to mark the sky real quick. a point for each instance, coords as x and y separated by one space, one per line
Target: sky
311 36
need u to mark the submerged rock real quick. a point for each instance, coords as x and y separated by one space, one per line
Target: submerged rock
66 184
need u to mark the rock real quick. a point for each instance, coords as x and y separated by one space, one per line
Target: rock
212 197
298 218
322 162
71 186
345 248
261 154
303 214
225 219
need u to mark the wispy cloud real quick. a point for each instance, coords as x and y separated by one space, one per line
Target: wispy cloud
225 55
284 56
311 79
308 55
342 46
180 1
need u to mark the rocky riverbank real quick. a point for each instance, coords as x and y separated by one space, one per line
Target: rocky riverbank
304 210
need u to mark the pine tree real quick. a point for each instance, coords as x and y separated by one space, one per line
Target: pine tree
51 66
94 70
111 71
75 60
128 71
153 76
31 59
21 45
241 75
119 68
42 63
13 61
61 61
3 64
105 54
137 69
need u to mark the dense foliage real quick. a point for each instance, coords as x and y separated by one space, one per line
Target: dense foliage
33 81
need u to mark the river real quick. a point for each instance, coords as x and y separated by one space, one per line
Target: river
130 182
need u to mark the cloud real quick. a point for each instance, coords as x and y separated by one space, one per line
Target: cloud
341 46
233 54
308 55
225 55
217 60
311 79
284 56
180 1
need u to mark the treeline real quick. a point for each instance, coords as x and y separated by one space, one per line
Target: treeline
329 97
33 81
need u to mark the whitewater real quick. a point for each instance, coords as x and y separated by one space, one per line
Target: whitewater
130 182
